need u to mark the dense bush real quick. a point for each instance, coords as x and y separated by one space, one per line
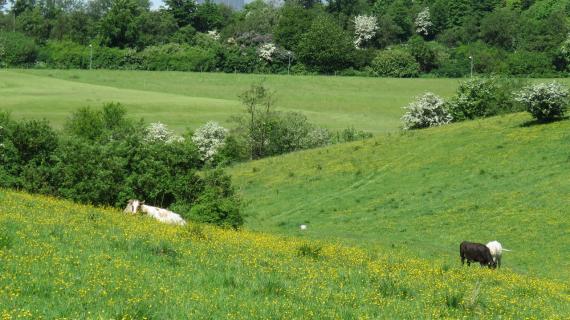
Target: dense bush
104 158
109 123
529 63
217 203
177 57
483 97
34 140
426 111
16 49
9 162
65 55
545 101
397 63
292 131
325 47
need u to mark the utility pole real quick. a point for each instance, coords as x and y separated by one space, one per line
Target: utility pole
471 59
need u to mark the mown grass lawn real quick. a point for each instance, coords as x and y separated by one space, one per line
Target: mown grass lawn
63 260
425 191
183 99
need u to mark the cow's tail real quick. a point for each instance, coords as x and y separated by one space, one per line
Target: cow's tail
507 250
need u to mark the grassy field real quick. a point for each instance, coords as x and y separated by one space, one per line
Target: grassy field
62 260
426 191
190 99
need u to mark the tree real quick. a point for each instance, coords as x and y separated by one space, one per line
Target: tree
120 26
182 10
293 21
423 53
326 47
21 6
400 13
208 16
32 23
500 28
258 101
156 27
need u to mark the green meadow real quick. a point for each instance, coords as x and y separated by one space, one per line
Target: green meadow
183 100
63 260
425 191
385 216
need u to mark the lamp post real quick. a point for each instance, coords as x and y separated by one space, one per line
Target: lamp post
471 59
90 56
289 64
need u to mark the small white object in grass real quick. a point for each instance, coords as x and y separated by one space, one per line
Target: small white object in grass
303 227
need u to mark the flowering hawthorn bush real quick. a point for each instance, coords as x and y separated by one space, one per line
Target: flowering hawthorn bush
423 22
428 110
364 28
545 101
266 51
159 132
209 139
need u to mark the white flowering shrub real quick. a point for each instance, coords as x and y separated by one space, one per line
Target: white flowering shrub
428 110
159 132
266 51
545 101
214 34
209 139
365 28
423 22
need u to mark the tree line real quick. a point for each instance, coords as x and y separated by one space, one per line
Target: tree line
396 38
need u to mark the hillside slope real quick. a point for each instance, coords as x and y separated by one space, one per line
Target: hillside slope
426 191
59 259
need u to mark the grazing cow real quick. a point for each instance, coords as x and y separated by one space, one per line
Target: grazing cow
476 252
496 250
162 215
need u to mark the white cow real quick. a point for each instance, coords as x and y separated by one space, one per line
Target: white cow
496 251
162 215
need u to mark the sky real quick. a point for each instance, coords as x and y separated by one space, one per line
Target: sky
155 4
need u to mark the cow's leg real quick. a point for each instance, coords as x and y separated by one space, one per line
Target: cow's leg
462 260
498 262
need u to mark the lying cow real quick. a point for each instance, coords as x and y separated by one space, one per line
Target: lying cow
496 250
476 252
162 215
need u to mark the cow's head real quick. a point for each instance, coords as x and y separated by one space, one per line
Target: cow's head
133 206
